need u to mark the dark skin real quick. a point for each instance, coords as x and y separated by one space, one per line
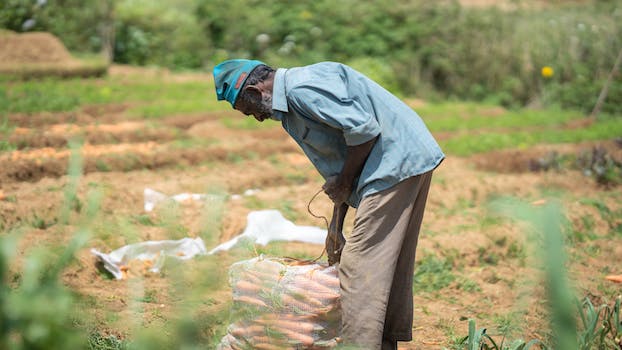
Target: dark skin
261 91
338 187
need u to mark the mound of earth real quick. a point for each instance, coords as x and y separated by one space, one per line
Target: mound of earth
36 47
38 54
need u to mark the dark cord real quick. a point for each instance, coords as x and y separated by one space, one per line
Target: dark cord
318 217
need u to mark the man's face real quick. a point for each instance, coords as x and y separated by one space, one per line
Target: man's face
261 110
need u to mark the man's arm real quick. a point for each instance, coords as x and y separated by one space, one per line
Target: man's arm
339 188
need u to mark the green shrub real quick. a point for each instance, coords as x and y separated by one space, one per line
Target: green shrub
410 46
163 33
378 71
76 22
470 53
37 313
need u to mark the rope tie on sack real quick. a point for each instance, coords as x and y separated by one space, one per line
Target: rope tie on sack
304 261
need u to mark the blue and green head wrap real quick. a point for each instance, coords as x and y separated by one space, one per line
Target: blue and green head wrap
229 78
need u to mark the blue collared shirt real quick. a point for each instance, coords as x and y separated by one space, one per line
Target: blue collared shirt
328 106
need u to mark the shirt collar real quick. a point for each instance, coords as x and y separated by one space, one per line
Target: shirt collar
279 99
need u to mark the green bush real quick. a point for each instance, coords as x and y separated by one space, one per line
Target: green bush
469 53
76 22
378 71
431 48
161 33
14 13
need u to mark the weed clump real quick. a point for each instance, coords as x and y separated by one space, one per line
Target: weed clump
601 165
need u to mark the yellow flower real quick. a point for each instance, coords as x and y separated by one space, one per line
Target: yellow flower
547 72
306 15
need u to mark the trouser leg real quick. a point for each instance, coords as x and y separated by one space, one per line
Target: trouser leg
388 344
369 261
399 317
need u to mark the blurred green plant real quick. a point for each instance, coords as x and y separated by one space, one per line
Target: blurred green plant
599 327
36 310
5 131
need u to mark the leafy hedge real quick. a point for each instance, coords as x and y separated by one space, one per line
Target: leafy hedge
157 32
438 46
38 71
415 47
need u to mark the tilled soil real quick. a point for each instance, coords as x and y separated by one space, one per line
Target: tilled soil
42 148
198 153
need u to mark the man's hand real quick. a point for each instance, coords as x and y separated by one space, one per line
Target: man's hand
334 245
336 190
335 240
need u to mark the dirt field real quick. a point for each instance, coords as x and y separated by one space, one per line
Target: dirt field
198 153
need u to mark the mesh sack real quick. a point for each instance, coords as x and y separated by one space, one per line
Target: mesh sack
283 304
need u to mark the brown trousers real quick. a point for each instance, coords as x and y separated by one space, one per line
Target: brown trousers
377 265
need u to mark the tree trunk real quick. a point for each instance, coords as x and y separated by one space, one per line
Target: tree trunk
108 30
605 90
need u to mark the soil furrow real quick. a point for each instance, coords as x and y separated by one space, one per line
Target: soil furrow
59 135
48 162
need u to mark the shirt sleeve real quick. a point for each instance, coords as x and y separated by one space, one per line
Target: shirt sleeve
328 102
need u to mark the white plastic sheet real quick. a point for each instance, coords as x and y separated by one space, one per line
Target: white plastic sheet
154 252
262 227
249 192
265 226
152 197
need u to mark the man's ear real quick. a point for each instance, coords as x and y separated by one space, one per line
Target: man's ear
254 92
